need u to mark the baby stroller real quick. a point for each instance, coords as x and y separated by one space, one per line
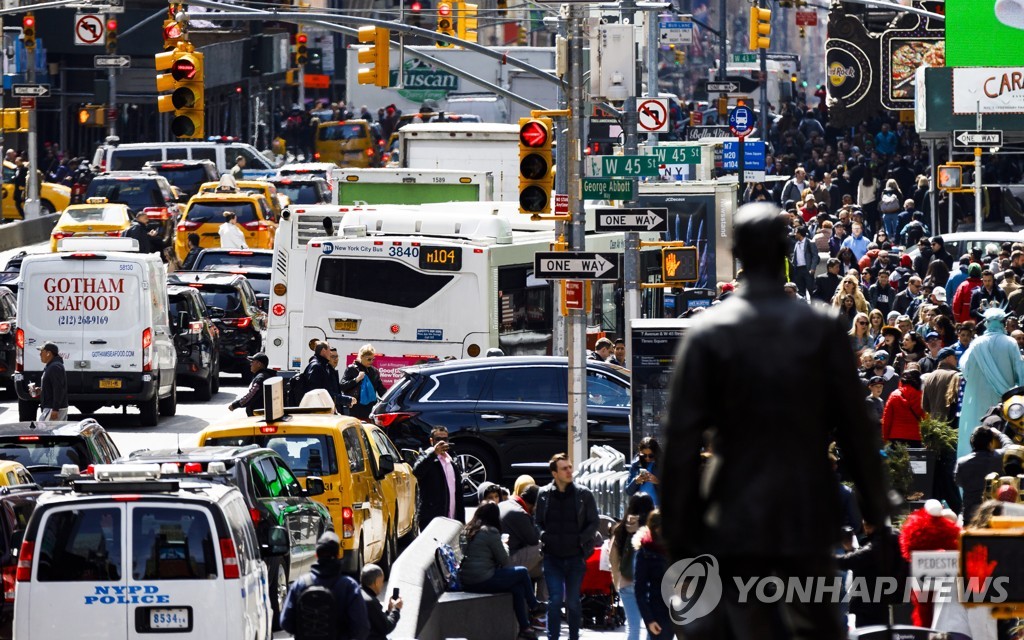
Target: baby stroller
599 600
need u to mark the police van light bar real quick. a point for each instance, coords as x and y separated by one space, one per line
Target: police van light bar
123 472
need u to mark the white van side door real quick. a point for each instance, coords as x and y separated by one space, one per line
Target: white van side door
49 310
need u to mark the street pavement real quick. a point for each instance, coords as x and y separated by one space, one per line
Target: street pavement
183 429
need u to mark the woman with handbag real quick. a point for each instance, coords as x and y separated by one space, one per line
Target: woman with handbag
362 380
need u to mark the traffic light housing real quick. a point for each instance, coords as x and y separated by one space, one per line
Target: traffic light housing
14 120
760 28
950 176
466 22
184 79
301 49
111 35
679 265
502 8
28 30
376 54
536 167
92 115
173 34
445 23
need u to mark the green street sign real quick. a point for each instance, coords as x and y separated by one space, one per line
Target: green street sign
622 166
607 189
744 57
675 155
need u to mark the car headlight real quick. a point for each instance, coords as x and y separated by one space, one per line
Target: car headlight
1015 411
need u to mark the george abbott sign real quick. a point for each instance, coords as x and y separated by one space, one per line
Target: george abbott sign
988 90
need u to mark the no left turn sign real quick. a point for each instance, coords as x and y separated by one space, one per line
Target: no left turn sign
88 29
653 115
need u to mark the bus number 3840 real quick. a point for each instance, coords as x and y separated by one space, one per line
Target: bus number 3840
404 252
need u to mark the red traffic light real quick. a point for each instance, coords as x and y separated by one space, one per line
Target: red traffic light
301 38
533 134
111 25
444 9
415 7
172 31
183 70
28 22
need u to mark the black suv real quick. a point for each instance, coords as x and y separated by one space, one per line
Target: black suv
138 191
16 506
255 264
197 341
232 303
44 447
8 328
186 175
278 505
303 189
505 416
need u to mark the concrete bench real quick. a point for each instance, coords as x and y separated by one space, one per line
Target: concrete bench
432 613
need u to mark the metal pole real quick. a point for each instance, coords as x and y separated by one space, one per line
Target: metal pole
577 436
560 336
723 51
764 88
112 122
31 205
931 187
977 189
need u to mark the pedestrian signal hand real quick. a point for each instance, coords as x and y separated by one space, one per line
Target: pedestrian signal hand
671 265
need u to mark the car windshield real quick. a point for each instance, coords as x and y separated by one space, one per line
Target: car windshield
305 193
186 178
219 260
136 194
43 456
342 132
306 455
222 297
213 212
95 215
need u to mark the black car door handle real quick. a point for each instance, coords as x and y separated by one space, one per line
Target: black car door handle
493 416
593 423
97 342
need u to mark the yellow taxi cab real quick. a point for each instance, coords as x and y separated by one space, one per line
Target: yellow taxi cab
277 201
205 213
96 217
348 143
401 489
13 473
318 442
53 197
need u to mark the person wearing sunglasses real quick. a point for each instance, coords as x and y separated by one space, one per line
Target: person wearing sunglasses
641 473
362 380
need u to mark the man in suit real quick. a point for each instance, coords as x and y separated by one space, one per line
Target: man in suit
804 260
768 501
440 480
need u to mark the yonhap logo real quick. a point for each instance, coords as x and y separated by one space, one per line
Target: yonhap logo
692 588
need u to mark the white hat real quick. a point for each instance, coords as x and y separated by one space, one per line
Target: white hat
939 293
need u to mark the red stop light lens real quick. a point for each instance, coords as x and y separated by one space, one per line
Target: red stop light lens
533 134
416 7
111 25
183 70
444 9
301 38
28 22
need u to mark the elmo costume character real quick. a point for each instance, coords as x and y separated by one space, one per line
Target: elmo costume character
928 529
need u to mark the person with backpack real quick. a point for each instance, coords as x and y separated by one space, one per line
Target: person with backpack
486 567
622 555
362 380
567 517
890 204
325 604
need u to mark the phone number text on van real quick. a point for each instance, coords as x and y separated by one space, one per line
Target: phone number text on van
83 294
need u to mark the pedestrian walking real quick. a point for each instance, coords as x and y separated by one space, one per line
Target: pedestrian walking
567 518
362 380
193 252
139 230
52 389
308 612
440 481
238 171
641 476
252 401
382 622
523 538
622 555
648 572
231 235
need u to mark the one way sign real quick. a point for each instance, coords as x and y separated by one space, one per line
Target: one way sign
977 138
577 265
642 219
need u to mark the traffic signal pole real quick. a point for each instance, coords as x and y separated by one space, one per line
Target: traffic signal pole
32 183
577 436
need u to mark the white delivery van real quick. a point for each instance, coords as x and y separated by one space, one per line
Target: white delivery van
107 313
131 555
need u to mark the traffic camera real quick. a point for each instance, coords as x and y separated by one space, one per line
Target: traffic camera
28 30
466 23
536 168
111 35
301 49
950 176
445 23
377 55
679 265
760 28
185 82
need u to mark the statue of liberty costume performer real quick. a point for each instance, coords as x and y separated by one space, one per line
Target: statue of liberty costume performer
991 366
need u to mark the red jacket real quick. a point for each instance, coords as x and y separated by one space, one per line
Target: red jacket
962 299
901 418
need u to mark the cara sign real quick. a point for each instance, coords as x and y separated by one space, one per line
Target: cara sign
988 90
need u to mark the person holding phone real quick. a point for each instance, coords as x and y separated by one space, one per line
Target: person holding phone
371 578
641 473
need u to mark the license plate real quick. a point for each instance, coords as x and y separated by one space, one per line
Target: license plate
346 325
110 383
168 618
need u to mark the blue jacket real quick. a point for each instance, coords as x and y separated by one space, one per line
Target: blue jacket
632 486
649 569
859 246
954 281
353 621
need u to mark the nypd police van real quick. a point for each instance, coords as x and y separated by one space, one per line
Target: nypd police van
130 554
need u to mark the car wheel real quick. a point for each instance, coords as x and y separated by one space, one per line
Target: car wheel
278 589
478 466
204 390
46 208
169 405
27 411
149 411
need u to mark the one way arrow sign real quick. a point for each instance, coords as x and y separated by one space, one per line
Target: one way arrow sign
978 138
31 90
577 265
642 219
722 87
